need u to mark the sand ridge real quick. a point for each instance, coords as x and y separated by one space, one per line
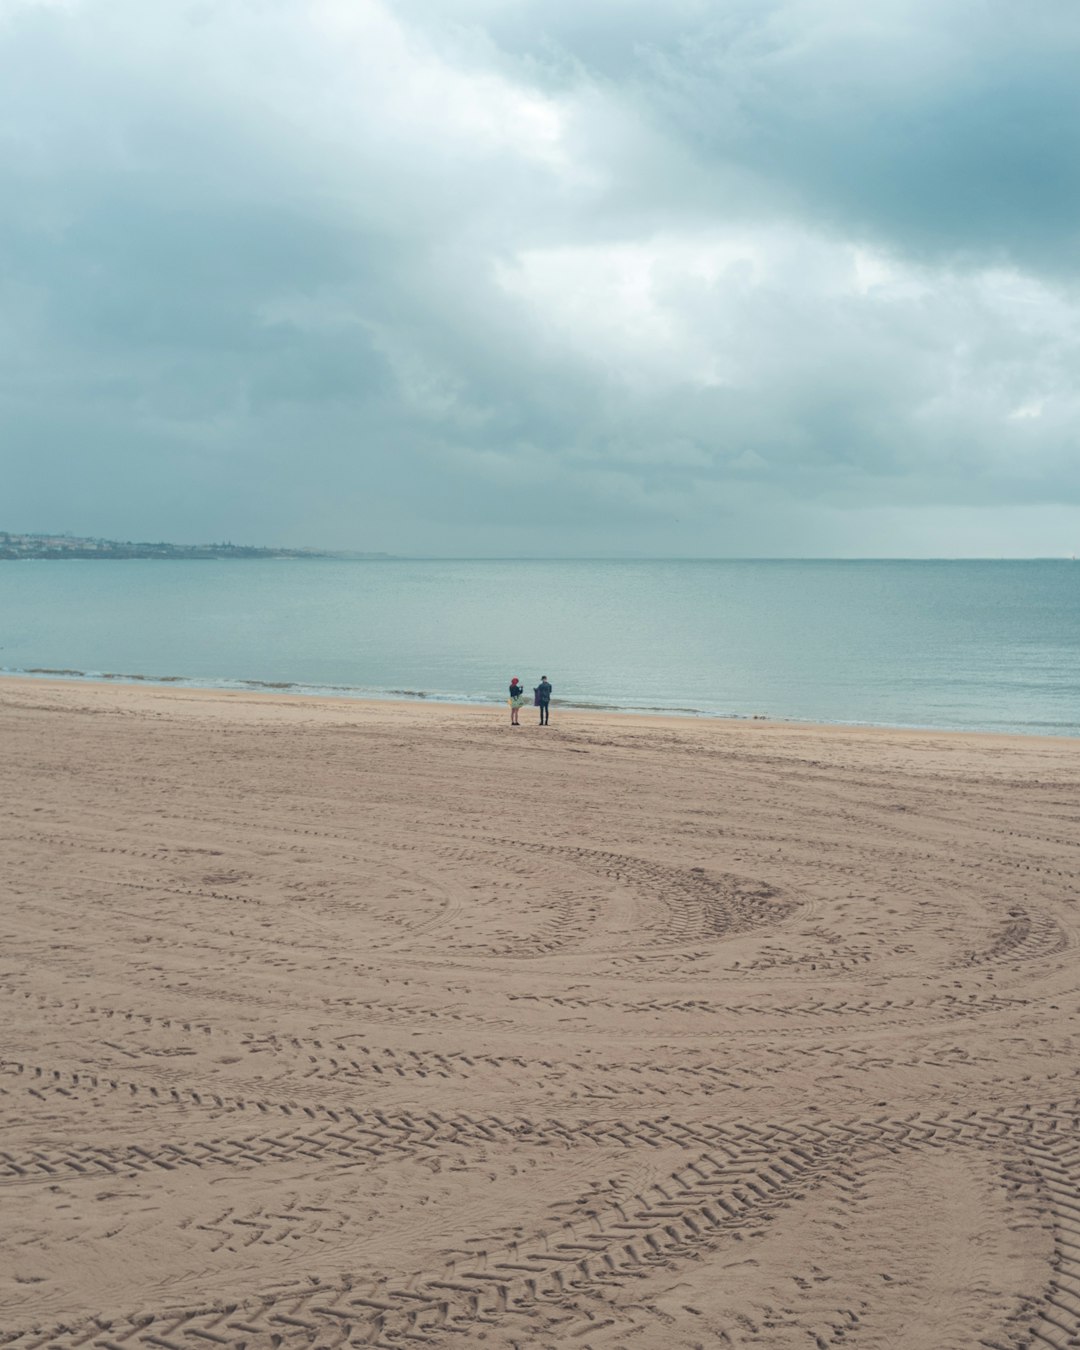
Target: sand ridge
332 1023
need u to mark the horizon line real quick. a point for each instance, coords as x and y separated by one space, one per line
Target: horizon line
319 554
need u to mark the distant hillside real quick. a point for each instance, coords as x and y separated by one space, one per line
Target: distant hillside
16 546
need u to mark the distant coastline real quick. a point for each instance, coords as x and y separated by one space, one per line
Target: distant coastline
18 547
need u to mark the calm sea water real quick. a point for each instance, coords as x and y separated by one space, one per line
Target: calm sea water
993 645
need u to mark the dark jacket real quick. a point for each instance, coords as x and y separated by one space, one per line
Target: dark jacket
543 691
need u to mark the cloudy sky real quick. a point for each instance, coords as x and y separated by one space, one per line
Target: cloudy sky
488 277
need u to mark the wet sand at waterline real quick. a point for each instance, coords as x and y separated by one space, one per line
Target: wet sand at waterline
344 1024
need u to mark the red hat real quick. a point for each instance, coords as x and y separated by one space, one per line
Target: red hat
515 680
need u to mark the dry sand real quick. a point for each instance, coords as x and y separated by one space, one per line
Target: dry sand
333 1024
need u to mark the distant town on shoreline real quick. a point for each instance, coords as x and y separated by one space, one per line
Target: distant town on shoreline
24 546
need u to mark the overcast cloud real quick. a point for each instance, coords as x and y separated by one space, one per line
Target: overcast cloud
759 277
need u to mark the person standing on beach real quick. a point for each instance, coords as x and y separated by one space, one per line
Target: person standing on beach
517 698
543 698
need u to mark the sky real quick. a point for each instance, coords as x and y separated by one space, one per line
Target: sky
543 277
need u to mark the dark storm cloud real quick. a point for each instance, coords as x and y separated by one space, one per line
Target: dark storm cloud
951 128
564 278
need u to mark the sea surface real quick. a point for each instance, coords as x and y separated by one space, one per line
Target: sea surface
973 645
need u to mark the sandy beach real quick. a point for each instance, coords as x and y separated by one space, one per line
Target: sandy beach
333 1023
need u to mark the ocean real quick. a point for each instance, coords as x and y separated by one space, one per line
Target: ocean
952 644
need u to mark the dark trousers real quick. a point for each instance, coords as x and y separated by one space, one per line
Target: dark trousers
543 714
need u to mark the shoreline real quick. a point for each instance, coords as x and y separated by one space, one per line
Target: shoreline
575 714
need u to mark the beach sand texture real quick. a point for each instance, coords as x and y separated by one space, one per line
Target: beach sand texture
356 1024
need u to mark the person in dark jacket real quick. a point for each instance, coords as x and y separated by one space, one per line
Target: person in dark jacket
543 699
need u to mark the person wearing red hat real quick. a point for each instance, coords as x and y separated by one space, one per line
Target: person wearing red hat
517 698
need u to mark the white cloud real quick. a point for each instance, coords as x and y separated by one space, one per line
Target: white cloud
739 310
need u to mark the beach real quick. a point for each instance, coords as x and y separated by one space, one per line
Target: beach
340 1023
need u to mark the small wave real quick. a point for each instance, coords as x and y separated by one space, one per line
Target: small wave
661 709
46 670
